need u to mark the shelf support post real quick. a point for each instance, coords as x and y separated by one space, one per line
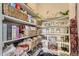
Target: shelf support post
1 18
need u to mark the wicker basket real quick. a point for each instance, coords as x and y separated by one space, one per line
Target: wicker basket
10 11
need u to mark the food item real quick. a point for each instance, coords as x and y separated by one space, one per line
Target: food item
13 5
18 6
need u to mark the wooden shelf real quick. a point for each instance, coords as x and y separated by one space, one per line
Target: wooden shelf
18 21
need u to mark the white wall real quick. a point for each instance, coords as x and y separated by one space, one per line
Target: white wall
52 9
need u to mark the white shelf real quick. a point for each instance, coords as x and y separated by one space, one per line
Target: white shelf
18 39
51 30
14 40
55 34
61 51
53 51
19 21
29 10
56 18
63 43
55 26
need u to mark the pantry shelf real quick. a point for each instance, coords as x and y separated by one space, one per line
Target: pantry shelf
58 30
57 18
53 51
19 39
29 10
64 52
18 21
56 34
55 26
67 43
